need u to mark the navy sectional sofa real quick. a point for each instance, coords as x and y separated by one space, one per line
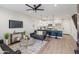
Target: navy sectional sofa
39 37
55 33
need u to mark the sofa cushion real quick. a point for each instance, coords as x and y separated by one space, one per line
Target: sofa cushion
1 51
1 41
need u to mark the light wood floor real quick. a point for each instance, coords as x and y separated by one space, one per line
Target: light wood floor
66 45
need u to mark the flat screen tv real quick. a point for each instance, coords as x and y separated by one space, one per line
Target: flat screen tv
15 24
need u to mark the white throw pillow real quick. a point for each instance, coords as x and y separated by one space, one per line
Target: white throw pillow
39 32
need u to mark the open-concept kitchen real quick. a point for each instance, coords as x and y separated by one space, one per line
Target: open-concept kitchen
39 29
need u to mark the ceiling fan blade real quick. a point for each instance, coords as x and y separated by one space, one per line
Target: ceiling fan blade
29 9
41 9
29 6
38 6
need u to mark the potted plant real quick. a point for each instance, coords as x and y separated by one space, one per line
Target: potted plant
6 36
25 35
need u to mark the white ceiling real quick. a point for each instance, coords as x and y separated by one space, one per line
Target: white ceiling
50 9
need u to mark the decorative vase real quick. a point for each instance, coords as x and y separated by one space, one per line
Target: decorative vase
24 37
6 41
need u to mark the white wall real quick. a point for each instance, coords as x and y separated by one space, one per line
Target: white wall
30 23
6 15
78 22
69 27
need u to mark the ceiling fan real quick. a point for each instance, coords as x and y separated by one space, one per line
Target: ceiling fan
35 7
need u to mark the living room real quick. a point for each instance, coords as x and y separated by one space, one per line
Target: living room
51 17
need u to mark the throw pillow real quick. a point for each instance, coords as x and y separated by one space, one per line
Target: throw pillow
39 32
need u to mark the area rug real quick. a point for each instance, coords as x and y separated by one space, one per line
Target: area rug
32 49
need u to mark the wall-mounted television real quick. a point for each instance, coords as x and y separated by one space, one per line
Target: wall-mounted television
15 24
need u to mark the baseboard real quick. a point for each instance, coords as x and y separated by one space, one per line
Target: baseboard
66 34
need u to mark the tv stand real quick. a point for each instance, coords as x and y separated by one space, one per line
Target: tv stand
14 36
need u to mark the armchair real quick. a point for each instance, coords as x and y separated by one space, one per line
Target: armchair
8 50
